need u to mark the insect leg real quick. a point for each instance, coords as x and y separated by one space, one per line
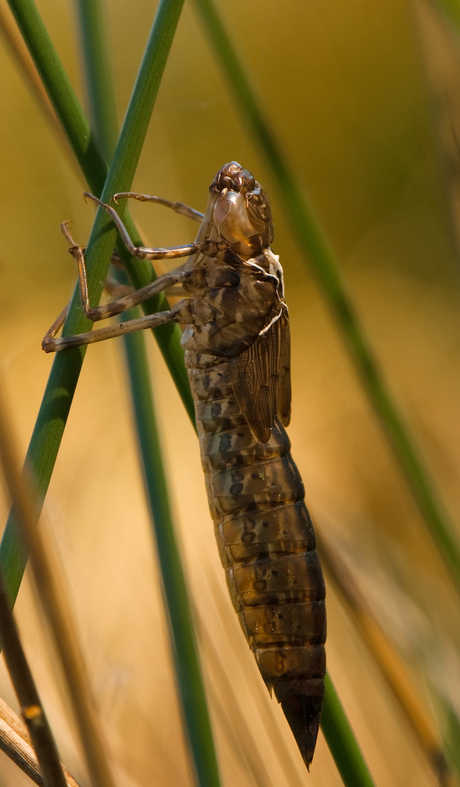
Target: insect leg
117 290
178 207
122 304
50 344
120 290
58 323
135 298
78 253
146 253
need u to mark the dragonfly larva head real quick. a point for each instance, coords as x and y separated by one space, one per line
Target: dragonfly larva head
241 215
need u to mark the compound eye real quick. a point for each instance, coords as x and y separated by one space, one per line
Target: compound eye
232 219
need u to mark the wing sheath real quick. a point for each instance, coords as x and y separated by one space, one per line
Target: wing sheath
261 379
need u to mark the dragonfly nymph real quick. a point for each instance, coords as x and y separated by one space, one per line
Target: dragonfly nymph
236 338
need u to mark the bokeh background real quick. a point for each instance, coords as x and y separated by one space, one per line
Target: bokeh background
361 113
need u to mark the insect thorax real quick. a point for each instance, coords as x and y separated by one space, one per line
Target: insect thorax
230 304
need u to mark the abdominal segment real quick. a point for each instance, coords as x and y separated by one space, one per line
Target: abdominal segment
267 546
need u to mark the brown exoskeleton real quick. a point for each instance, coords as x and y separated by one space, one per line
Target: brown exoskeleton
236 337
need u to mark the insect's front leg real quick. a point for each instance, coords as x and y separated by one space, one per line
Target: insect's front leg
177 207
207 247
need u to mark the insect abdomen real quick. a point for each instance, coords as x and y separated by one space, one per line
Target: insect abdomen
267 546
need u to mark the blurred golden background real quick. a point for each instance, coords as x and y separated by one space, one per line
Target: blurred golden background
347 90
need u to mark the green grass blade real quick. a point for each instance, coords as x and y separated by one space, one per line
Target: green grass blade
341 741
64 375
451 9
451 735
99 82
183 642
91 161
60 92
319 254
185 650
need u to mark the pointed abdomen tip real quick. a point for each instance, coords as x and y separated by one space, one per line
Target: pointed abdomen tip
303 713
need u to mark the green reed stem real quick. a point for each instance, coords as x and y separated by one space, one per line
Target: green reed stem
60 92
99 82
451 9
28 697
81 137
53 599
184 645
92 163
342 742
64 375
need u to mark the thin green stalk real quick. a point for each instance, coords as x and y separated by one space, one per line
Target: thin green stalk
397 678
341 741
318 253
185 650
451 9
451 734
64 375
53 599
28 697
88 154
60 92
183 642
15 743
99 82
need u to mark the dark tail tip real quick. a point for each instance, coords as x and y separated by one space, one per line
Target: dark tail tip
303 713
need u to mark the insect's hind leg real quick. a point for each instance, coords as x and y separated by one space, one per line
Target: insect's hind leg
176 314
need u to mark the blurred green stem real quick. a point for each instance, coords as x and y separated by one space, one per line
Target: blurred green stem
451 8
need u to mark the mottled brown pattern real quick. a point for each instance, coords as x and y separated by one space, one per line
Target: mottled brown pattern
267 547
